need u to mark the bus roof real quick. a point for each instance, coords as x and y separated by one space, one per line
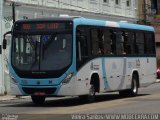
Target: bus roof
47 19
126 25
86 21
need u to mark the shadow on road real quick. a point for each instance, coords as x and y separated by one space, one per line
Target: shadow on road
67 102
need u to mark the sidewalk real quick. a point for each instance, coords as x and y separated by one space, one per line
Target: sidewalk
158 81
11 97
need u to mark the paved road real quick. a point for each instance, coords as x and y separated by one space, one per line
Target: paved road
148 101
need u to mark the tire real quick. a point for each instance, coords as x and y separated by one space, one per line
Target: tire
92 93
38 100
91 96
134 88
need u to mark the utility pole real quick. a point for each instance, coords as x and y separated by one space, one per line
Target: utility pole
145 12
13 12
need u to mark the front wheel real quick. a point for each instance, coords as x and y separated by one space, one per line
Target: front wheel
92 93
91 96
38 100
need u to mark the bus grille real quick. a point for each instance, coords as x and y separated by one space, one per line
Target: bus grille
34 90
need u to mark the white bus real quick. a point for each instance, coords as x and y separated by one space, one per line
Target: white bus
75 56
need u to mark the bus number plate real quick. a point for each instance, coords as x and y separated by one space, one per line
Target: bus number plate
39 93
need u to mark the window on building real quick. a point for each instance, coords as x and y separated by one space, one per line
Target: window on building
105 1
128 3
117 2
92 0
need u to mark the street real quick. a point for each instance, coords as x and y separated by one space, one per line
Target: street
147 101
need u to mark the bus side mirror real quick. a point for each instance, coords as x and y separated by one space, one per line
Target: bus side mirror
4 43
5 40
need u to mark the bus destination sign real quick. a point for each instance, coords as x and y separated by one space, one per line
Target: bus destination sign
44 26
41 26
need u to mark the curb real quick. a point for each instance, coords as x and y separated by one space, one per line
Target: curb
7 97
157 81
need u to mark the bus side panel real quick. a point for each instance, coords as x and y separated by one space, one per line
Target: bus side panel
84 76
116 73
15 89
68 89
148 70
131 66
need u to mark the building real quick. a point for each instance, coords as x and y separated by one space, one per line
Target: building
115 10
156 23
149 13
145 12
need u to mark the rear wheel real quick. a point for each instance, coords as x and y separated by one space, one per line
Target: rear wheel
38 100
134 88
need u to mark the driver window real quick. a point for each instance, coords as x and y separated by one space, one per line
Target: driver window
82 38
81 46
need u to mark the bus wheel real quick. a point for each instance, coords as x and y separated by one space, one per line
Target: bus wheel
90 97
134 88
38 100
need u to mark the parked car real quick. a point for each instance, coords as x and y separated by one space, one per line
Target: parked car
158 72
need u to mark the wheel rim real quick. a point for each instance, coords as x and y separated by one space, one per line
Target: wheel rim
91 95
92 91
134 86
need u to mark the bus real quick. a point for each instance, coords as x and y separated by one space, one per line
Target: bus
76 56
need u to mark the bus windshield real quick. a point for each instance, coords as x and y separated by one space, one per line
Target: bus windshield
42 52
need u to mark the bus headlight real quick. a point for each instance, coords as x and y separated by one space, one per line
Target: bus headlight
13 80
67 79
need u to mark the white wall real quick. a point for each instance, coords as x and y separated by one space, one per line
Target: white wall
94 6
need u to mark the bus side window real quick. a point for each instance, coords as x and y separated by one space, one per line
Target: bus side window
120 43
140 43
150 44
107 42
131 43
81 46
126 44
95 42
113 41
